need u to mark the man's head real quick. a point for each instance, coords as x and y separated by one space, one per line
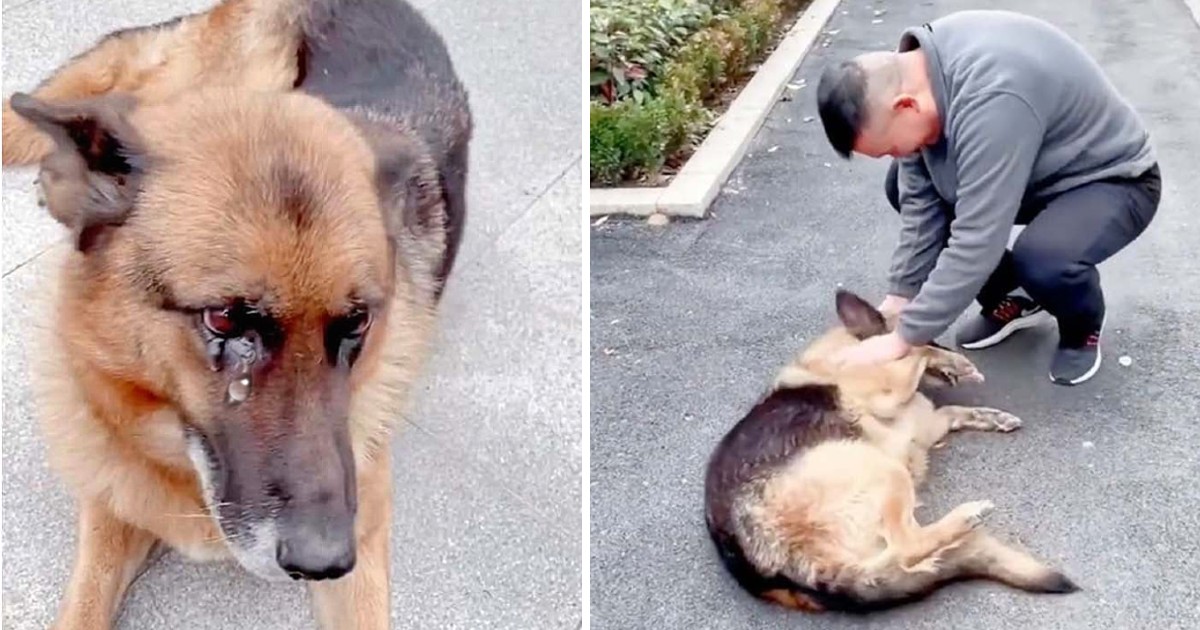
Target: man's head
878 104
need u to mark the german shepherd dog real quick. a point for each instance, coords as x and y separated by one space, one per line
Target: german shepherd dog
265 201
809 499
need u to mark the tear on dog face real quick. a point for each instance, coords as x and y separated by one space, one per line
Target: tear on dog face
243 260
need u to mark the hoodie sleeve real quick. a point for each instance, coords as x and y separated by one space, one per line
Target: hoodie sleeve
996 138
924 222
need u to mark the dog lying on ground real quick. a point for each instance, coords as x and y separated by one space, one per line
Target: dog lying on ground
809 499
265 201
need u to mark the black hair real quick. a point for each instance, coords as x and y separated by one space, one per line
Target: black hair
842 103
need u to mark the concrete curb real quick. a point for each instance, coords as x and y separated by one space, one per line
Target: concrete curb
1194 7
699 181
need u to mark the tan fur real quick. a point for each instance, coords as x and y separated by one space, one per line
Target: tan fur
111 431
249 44
208 99
841 513
793 600
361 599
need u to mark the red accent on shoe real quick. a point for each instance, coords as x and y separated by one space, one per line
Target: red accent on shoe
1007 310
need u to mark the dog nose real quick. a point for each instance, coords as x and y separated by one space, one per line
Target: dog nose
316 557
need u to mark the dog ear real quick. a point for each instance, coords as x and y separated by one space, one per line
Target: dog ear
411 185
89 182
860 318
413 198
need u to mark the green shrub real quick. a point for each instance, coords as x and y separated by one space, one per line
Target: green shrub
757 22
700 65
652 80
632 140
684 121
631 41
626 138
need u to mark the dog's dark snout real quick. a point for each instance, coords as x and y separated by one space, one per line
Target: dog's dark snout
312 553
316 493
316 535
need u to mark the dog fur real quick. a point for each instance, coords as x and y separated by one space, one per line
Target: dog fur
809 499
250 44
265 202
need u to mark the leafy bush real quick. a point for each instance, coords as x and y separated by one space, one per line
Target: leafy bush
701 65
631 41
630 140
651 83
757 22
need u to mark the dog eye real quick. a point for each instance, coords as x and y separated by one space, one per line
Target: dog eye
222 322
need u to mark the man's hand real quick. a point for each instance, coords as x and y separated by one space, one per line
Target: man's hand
877 349
892 305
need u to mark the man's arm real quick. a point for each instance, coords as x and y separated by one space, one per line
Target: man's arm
924 222
997 140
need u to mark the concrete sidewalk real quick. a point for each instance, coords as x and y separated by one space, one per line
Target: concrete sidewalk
689 322
487 501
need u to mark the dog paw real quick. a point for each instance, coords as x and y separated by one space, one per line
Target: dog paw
961 370
1003 421
953 369
976 511
968 373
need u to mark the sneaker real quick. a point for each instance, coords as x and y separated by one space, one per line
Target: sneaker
989 328
1075 363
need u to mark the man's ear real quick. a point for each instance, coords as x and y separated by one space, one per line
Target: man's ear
860 318
89 182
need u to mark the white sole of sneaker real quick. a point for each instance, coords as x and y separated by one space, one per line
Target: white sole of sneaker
1011 327
1095 366
1086 375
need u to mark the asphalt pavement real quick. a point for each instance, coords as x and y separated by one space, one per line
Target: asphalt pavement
487 526
690 321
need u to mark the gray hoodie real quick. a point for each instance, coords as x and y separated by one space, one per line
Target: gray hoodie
1026 113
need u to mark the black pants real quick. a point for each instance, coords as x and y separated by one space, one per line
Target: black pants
1055 257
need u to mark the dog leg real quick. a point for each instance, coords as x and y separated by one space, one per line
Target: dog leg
979 419
900 441
915 548
361 600
983 556
949 368
109 556
926 429
911 546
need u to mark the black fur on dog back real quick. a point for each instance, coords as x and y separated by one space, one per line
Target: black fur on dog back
383 60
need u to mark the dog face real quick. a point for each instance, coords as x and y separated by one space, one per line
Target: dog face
882 388
236 263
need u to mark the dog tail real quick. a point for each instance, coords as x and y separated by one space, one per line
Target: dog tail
986 557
